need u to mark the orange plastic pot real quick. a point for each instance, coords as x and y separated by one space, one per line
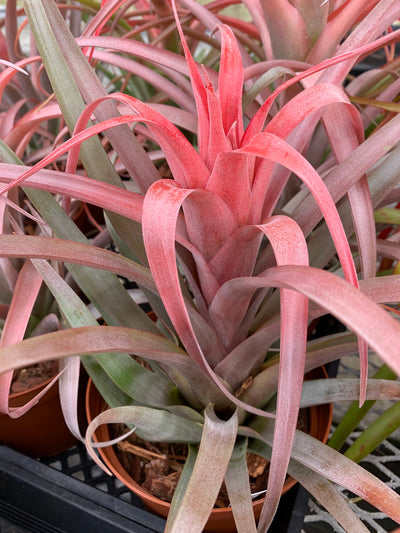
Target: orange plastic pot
221 520
41 432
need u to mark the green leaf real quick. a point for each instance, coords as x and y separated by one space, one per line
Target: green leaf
393 107
376 432
387 215
133 379
102 288
73 81
154 425
238 486
320 391
263 82
68 95
355 413
215 451
183 482
107 339
90 86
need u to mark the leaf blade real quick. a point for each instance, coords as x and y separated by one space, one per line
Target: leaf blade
216 447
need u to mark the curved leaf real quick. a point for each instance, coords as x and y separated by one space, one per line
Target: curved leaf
187 167
36 247
109 197
333 466
133 379
214 453
321 489
375 20
265 383
310 100
159 238
338 297
25 293
154 425
385 289
322 391
199 92
70 100
257 123
237 484
263 81
289 247
280 231
158 81
292 160
91 340
327 495
355 413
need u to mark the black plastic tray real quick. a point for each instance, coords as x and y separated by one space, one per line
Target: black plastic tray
36 498
41 499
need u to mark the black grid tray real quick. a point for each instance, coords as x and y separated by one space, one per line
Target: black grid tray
35 498
69 493
384 463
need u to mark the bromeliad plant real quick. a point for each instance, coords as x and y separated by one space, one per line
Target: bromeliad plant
233 264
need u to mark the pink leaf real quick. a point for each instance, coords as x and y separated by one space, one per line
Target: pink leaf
209 221
162 204
230 83
171 87
160 211
311 102
347 303
185 163
198 91
187 167
82 188
283 18
269 146
312 99
238 254
257 123
24 297
228 308
289 247
373 23
345 135
231 178
216 138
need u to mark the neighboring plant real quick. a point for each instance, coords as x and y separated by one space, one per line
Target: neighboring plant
238 237
384 422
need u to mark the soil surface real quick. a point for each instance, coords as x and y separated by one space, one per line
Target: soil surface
158 466
26 378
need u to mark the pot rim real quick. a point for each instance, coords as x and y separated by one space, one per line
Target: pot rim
108 454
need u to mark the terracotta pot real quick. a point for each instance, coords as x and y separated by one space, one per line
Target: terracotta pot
41 432
221 520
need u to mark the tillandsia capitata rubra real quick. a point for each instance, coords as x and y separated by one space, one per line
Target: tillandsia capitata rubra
215 218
